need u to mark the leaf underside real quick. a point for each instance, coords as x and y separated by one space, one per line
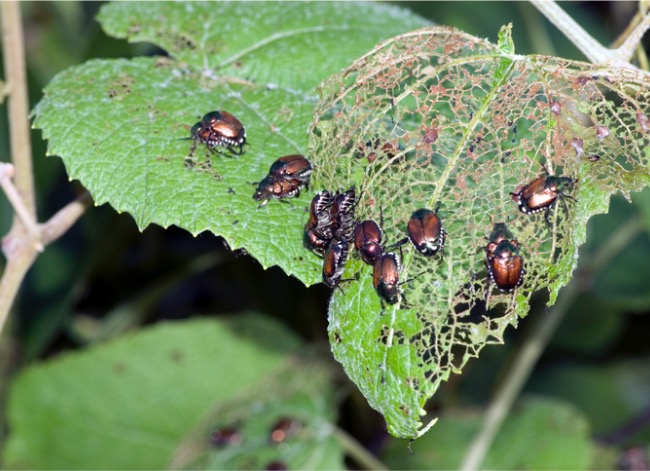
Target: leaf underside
467 122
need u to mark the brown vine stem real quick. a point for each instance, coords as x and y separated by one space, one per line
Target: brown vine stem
536 341
26 238
592 49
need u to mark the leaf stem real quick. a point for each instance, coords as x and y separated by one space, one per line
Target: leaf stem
535 343
357 452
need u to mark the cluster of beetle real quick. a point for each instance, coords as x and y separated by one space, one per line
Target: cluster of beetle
332 226
283 429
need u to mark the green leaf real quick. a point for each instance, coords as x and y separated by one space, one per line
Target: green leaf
541 433
121 126
447 124
301 396
140 394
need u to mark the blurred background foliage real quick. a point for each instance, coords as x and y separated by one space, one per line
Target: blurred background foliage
105 277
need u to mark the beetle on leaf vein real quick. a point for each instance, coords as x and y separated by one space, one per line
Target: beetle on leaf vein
541 194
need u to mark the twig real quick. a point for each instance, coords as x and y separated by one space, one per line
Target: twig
13 49
627 49
592 49
536 342
59 224
25 238
6 173
357 452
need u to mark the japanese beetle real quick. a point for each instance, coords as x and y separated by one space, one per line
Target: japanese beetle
385 277
499 233
292 167
220 128
504 264
226 436
284 428
541 194
318 230
276 188
343 215
425 232
367 241
334 264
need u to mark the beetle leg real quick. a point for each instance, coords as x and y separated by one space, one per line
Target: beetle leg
405 302
193 148
239 152
547 211
399 243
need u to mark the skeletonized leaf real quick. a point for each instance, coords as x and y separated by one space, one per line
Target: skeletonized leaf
439 117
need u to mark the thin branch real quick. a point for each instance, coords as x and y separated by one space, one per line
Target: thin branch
13 48
357 452
6 174
592 49
20 252
536 342
25 238
626 51
59 224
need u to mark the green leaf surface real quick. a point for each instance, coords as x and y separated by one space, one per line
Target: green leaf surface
300 395
121 126
127 404
540 434
440 117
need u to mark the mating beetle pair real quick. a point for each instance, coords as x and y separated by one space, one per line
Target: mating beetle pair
219 129
341 227
286 177
329 231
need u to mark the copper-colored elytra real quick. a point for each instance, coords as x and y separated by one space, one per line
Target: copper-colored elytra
385 277
334 264
540 194
505 265
292 166
228 126
425 232
367 241
271 187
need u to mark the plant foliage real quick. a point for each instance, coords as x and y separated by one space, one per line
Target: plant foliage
121 126
440 117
